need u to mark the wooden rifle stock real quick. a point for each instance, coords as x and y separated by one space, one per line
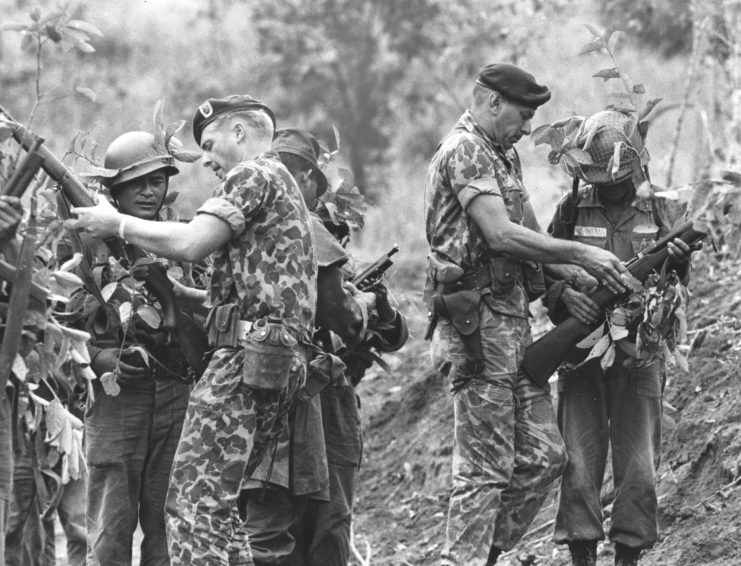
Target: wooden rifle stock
192 340
543 357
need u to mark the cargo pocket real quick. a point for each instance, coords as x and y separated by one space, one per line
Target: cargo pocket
503 275
270 356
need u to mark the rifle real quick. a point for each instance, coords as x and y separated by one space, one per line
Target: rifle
543 356
369 276
192 340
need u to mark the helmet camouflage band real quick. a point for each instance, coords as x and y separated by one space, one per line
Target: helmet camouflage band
598 136
135 154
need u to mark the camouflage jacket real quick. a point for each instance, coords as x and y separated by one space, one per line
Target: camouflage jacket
466 155
268 266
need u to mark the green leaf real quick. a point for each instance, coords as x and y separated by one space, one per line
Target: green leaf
141 351
620 94
336 139
15 27
86 27
599 348
124 312
646 110
596 32
171 130
615 38
540 134
594 45
608 358
593 338
170 198
149 315
159 128
614 165
185 156
109 381
639 89
607 74
86 93
581 156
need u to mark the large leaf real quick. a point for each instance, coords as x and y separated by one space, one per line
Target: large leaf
592 46
581 156
593 338
86 27
149 315
645 111
109 381
608 74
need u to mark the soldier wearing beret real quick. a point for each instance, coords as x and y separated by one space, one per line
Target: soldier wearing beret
262 299
483 269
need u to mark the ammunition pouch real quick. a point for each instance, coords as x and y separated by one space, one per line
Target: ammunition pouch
271 354
222 325
534 280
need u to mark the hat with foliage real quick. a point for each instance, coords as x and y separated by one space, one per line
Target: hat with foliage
614 145
303 144
134 154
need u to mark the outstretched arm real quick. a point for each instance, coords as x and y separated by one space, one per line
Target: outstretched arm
172 240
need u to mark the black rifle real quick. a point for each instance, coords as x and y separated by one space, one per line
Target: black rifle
543 356
192 340
370 276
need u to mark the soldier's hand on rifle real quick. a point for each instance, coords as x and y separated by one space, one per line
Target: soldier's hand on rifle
604 266
101 220
109 359
679 250
11 213
386 312
584 309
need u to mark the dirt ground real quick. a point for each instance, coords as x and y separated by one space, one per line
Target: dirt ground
405 480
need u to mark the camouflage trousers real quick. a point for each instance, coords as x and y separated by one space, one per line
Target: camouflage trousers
226 424
507 449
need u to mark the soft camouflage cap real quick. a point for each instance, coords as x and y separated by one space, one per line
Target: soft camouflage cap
598 136
135 154
214 107
514 83
306 146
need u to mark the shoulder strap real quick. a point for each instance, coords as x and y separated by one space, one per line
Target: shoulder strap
573 213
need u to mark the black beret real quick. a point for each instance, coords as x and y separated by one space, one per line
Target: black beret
514 83
213 107
305 145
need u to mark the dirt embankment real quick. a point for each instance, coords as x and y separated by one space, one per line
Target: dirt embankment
405 480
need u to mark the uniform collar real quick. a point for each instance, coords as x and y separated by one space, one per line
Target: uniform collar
468 122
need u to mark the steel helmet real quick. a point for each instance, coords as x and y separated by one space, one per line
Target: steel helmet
598 136
135 154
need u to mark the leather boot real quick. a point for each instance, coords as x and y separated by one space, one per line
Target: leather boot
583 552
626 556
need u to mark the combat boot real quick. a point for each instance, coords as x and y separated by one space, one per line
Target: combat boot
626 556
583 552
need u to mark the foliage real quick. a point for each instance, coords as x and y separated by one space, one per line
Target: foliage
662 24
649 325
562 135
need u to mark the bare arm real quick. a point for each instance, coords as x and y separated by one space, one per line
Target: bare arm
504 236
172 240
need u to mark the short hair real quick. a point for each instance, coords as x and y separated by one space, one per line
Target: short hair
256 120
481 94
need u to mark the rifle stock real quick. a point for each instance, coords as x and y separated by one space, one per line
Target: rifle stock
192 339
543 357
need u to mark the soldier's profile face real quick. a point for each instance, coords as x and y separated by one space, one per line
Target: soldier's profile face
220 149
142 197
512 123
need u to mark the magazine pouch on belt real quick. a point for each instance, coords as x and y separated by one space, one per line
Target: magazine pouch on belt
270 355
222 325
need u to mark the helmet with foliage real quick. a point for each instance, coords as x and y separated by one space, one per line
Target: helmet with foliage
615 145
135 154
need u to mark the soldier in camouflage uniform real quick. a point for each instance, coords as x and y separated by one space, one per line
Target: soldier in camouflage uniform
483 269
621 406
262 299
302 517
132 428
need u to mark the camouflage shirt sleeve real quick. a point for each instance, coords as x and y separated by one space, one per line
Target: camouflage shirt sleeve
469 162
239 198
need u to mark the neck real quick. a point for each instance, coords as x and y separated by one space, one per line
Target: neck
483 119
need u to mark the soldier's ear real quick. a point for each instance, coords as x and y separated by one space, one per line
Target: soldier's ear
239 131
495 102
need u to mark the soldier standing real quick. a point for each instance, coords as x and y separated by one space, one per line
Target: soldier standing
131 434
303 516
483 270
262 298
619 407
